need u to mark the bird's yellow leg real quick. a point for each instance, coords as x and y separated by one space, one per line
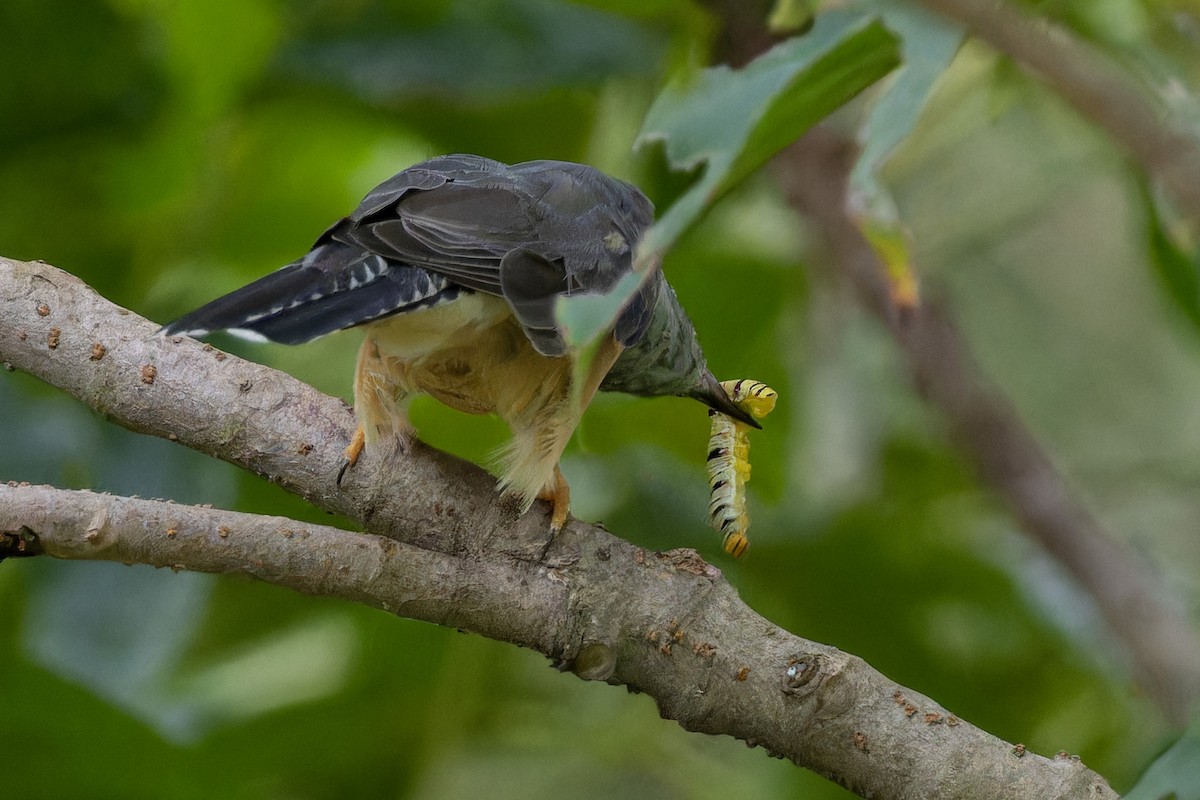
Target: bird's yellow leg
355 448
558 492
535 396
380 392
352 452
559 495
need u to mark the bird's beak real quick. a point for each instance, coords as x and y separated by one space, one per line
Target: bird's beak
709 392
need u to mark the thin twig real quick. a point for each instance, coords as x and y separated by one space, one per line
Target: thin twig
1094 85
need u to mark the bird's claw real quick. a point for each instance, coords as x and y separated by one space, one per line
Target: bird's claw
352 452
558 493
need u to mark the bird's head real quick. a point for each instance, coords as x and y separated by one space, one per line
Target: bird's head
708 390
667 358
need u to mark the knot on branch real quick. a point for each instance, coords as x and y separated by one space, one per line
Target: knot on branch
596 662
21 542
799 672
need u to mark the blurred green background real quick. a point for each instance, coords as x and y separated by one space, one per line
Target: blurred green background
167 152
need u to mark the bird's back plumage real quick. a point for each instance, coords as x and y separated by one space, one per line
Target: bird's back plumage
528 233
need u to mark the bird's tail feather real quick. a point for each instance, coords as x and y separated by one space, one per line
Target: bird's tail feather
334 287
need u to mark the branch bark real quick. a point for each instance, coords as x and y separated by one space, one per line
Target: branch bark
440 548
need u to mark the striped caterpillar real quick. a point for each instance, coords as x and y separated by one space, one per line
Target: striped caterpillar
729 462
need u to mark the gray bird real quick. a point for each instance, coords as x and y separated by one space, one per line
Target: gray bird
453 267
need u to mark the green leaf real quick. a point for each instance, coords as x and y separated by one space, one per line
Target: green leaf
583 316
929 44
1175 262
791 16
1175 774
121 633
733 121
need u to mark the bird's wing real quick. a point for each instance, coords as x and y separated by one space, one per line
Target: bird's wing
334 287
527 233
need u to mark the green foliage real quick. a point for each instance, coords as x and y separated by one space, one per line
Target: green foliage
168 152
518 47
928 44
1173 775
1174 260
731 121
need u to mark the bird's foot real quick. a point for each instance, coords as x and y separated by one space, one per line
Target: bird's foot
558 493
352 452
401 440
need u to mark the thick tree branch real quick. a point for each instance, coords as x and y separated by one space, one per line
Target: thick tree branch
665 624
1161 642
500 598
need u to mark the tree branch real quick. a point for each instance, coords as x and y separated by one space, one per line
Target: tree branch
1160 641
500 598
666 624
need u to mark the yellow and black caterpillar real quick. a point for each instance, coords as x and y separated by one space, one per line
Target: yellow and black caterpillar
729 462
